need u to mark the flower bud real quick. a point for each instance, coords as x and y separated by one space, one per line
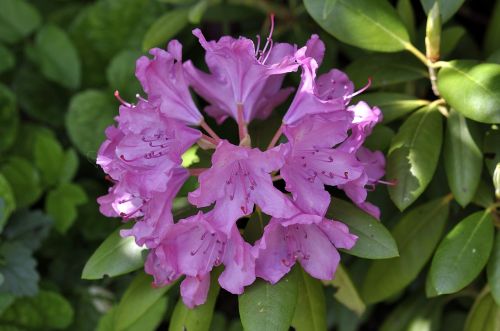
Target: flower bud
433 33
496 180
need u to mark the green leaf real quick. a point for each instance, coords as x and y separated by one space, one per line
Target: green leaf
417 235
413 156
90 112
57 57
18 269
266 307
24 180
48 154
385 70
370 24
463 159
393 105
492 38
447 8
7 201
380 138
61 203
29 228
484 195
115 256
165 28
472 88
493 270
450 38
310 312
199 318
18 19
7 59
484 315
121 74
137 300
46 311
491 148
374 241
9 118
347 293
407 14
69 166
463 253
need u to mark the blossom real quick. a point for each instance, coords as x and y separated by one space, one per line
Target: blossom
238 179
309 239
162 78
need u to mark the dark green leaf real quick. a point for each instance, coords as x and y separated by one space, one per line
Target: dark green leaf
413 156
347 293
24 180
491 149
494 270
310 312
406 12
484 195
18 269
380 138
393 105
121 74
7 59
484 315
57 57
369 24
69 166
18 19
462 159
472 88
450 38
90 112
463 253
164 28
374 241
116 256
29 228
61 203
447 8
417 235
9 118
7 201
48 155
492 37
266 307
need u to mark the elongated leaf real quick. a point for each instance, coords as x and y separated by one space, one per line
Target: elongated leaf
471 88
380 138
164 28
484 315
347 294
447 8
413 156
374 240
492 37
310 312
116 256
137 300
463 253
267 307
494 270
407 14
450 38
7 59
463 160
200 317
417 235
18 19
369 24
393 105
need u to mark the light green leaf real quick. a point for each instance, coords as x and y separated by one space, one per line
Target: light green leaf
49 155
347 293
463 160
310 312
267 307
417 235
413 156
472 88
462 254
447 8
90 112
18 19
165 28
57 57
115 256
24 180
61 203
407 14
138 299
484 315
7 201
374 241
493 270
370 24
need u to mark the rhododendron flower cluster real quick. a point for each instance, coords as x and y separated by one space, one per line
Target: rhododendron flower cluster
318 144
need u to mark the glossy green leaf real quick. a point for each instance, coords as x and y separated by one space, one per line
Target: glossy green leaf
165 28
199 318
49 155
462 254
9 118
7 201
374 240
115 256
369 24
61 203
347 293
484 195
18 18
310 312
24 180
492 37
393 105
472 88
447 8
417 234
267 307
7 59
493 270
137 300
413 157
484 315
463 159
90 112
57 57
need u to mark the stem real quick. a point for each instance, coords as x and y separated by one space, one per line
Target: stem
277 177
433 78
276 137
209 130
242 126
421 56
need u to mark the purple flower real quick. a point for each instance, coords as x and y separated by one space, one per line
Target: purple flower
242 77
162 78
238 179
310 239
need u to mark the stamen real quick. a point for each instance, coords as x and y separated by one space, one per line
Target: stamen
392 182
270 34
257 48
123 102
367 86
